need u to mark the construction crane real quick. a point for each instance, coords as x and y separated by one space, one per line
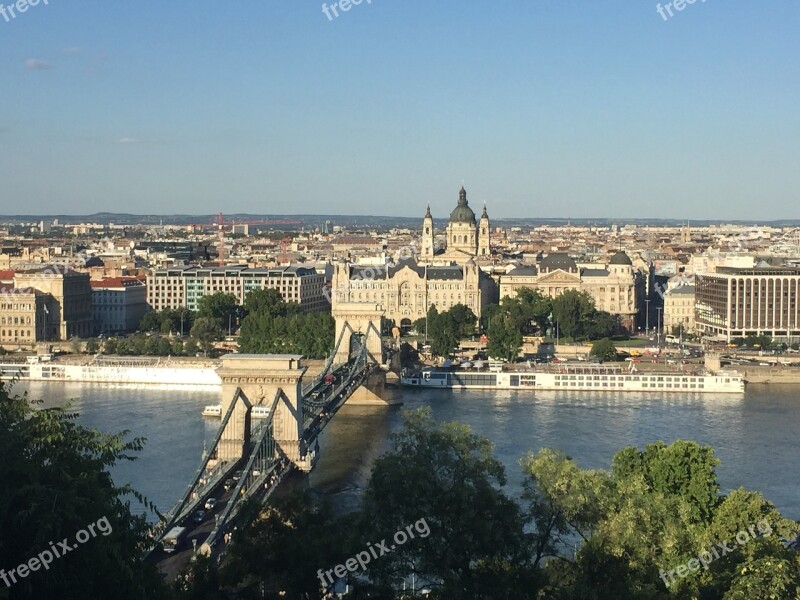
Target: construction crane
285 244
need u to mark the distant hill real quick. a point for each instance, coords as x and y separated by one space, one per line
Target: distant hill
357 220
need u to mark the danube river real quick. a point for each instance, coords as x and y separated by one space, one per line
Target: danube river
756 436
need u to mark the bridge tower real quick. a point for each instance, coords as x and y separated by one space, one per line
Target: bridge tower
356 322
264 380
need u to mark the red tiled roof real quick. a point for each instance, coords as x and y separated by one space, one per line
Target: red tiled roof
116 282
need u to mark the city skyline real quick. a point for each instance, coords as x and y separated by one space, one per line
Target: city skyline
542 111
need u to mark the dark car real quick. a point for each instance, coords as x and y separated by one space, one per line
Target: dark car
199 516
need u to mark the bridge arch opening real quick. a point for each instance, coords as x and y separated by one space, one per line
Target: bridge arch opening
406 325
356 343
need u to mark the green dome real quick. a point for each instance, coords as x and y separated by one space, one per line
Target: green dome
462 213
620 258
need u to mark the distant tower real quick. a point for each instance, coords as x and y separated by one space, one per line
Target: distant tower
426 252
484 249
686 234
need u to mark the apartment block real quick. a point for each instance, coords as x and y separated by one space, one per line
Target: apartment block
179 287
733 302
118 304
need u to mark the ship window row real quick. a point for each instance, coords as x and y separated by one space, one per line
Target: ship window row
634 378
612 384
474 379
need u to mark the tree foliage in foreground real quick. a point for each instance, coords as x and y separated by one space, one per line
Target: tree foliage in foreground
56 483
621 533
573 534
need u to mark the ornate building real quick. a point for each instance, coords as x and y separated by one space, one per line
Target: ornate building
616 287
465 237
441 278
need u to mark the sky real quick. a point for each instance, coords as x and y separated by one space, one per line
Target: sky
556 108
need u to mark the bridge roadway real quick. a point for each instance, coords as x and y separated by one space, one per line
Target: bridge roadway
254 477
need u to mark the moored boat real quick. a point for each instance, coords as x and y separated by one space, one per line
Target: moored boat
577 378
215 410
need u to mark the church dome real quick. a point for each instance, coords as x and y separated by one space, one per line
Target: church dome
462 213
620 258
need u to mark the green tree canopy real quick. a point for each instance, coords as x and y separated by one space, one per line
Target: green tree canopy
476 546
58 483
505 340
206 331
221 307
604 349
572 310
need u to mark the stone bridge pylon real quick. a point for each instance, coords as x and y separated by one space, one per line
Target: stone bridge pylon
263 378
358 323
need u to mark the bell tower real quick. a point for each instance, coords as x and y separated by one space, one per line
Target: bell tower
484 248
426 251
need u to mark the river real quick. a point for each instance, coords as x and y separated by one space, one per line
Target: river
756 436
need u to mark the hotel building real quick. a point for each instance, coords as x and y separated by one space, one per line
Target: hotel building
735 302
182 287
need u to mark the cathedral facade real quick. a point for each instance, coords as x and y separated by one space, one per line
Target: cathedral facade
466 238
440 278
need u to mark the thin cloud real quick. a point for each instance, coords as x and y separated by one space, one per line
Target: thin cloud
126 140
35 64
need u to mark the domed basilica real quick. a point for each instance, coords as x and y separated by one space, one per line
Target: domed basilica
466 238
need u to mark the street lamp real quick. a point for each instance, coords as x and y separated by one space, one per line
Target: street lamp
647 317
658 323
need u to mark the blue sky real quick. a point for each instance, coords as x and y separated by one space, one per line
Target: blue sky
542 108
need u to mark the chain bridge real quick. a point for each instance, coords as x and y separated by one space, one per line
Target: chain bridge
249 457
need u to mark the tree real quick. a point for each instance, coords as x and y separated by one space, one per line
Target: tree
110 346
151 321
604 350
58 483
442 332
601 325
92 346
150 346
572 309
656 510
682 469
220 307
535 309
190 348
206 331
464 320
444 477
268 302
163 347
279 555
505 340
488 311
273 326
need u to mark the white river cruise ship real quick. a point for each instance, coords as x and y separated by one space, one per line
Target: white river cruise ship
577 378
117 370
